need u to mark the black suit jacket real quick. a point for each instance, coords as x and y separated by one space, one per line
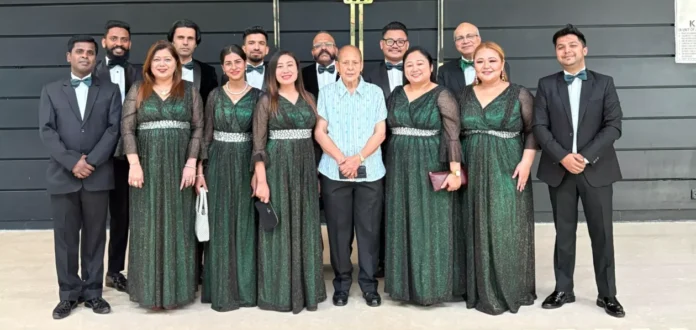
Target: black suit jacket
67 137
451 76
204 78
133 73
311 81
379 76
599 125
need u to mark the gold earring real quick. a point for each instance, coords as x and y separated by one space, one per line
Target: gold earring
503 76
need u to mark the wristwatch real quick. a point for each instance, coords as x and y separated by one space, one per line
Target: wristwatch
457 173
362 159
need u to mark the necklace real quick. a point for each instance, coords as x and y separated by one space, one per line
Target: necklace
227 89
163 92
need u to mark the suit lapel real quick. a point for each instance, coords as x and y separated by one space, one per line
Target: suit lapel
585 93
562 86
72 99
197 75
458 76
384 77
129 77
92 94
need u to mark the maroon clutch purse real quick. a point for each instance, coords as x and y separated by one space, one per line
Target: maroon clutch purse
438 178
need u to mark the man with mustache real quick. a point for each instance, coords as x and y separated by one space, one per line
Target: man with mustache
255 46
323 72
185 35
116 68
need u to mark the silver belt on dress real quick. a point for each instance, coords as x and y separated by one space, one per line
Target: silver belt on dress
414 131
231 137
163 124
290 134
500 134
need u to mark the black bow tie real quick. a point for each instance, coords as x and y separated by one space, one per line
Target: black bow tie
399 66
188 65
120 62
331 69
251 68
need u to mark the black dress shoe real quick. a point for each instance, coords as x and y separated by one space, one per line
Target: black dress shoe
558 299
98 305
117 281
612 306
372 299
64 309
340 298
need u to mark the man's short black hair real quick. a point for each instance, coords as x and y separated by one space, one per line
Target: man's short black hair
185 23
394 26
568 30
82 38
254 30
116 24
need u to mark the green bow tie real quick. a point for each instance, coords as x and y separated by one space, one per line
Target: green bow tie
76 82
465 63
331 69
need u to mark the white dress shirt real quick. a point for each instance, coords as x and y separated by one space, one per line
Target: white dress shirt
81 92
396 77
118 77
326 78
186 74
254 78
574 91
469 74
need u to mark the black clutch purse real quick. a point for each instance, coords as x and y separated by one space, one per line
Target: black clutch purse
268 219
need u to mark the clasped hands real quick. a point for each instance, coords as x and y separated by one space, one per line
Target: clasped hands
574 163
349 166
82 169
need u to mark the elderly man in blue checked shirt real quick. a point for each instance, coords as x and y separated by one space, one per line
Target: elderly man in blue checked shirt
350 130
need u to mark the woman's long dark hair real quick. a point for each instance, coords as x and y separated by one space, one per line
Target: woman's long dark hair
227 50
274 86
427 55
145 91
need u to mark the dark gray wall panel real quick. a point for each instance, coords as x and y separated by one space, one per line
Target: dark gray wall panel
16 113
602 41
659 102
24 205
21 144
513 13
23 174
143 17
648 134
635 215
54 2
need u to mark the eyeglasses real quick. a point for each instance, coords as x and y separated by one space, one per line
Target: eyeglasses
391 42
468 37
323 44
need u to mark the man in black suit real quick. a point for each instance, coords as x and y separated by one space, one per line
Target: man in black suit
323 71
185 35
255 46
394 44
116 69
389 75
458 73
79 121
577 118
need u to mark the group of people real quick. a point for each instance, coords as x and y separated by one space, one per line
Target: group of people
428 167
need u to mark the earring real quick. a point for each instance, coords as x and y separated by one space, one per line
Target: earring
503 76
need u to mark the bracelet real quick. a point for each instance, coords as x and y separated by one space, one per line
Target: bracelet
132 164
199 175
190 166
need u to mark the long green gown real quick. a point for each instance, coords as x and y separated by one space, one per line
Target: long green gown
499 219
418 265
230 256
290 266
161 268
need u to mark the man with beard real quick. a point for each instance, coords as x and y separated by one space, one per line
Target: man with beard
323 72
255 45
185 35
116 68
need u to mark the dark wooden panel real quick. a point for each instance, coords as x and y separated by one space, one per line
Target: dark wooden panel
20 144
602 41
143 17
335 15
23 174
546 13
24 205
651 164
19 113
635 195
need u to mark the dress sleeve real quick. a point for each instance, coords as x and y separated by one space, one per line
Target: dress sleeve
129 121
196 142
527 110
260 131
450 147
209 114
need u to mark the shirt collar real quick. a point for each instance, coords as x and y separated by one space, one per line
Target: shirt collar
73 76
568 73
397 63
316 65
344 90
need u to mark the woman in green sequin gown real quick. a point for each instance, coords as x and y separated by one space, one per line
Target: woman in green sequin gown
497 206
161 267
229 276
290 266
418 265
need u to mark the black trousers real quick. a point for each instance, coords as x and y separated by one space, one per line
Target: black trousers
597 204
119 208
79 230
349 206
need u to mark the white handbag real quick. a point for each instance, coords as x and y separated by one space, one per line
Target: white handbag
202 230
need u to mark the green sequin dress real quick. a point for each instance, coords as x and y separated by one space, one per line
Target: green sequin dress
290 265
418 265
498 219
161 268
229 276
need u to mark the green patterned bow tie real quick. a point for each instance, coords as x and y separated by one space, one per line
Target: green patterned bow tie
76 82
465 63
